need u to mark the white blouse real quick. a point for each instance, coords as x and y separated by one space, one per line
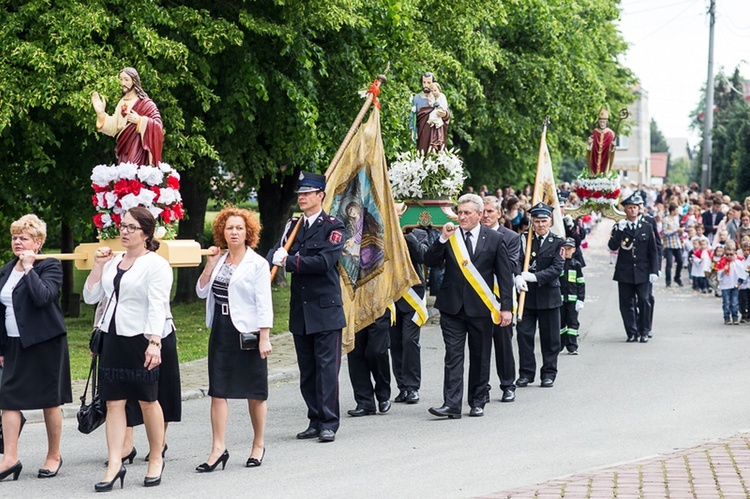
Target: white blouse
6 298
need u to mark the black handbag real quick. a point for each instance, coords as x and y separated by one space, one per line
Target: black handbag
249 341
91 416
96 342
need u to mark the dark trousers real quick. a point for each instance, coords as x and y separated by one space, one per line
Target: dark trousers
673 255
549 339
456 328
319 360
745 304
650 309
370 358
405 352
634 308
569 326
502 337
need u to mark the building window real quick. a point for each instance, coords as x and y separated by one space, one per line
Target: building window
622 142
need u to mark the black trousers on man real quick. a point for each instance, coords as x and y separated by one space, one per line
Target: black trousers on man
370 358
406 352
502 338
635 308
673 255
456 329
319 361
549 339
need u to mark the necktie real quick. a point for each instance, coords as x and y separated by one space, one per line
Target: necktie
306 225
632 225
468 244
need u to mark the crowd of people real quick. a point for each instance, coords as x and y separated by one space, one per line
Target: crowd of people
486 283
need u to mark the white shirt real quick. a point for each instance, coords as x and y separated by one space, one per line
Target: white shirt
249 293
6 298
312 218
143 305
474 236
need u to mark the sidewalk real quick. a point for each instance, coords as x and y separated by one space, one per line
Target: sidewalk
716 469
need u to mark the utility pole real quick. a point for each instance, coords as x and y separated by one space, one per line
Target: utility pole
708 122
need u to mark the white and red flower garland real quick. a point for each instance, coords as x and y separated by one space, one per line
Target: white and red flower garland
598 190
117 188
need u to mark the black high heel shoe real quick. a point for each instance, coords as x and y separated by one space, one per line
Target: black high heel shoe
208 468
254 463
14 470
154 481
107 486
129 458
163 453
45 473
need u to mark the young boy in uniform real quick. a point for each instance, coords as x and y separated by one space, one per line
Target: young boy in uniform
573 289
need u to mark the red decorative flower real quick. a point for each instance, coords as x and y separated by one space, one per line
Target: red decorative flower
98 220
597 194
95 201
166 215
178 211
173 182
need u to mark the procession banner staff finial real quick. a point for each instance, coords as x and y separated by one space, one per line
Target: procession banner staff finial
623 115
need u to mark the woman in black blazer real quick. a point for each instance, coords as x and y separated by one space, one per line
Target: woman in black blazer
33 345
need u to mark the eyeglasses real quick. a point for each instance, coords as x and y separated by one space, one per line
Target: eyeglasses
128 228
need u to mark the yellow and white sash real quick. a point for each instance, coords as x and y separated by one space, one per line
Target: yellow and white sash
418 304
472 275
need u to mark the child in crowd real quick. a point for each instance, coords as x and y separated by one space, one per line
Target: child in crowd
713 277
699 260
732 274
744 230
573 289
745 288
438 100
720 240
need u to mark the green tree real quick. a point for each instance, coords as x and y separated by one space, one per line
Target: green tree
658 142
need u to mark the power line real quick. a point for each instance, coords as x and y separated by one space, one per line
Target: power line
667 22
658 7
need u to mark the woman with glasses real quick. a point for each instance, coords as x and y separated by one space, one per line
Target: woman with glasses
237 286
137 285
34 345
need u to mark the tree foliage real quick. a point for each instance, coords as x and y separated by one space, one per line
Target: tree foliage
264 89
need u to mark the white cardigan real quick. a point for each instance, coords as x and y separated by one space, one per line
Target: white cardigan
249 293
143 307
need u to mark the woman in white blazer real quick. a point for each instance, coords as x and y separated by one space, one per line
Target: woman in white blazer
138 284
237 289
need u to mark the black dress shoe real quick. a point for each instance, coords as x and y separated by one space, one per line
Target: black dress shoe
445 412
476 412
631 339
153 481
508 395
523 381
208 468
384 406
327 435
356 413
45 473
401 397
14 470
163 452
107 486
309 433
412 397
644 339
129 458
548 383
253 462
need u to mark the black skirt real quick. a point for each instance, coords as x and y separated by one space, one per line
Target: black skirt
170 388
233 373
121 372
37 377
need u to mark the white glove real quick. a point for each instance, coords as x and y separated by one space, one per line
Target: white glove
279 256
521 284
622 224
652 278
579 306
528 276
568 220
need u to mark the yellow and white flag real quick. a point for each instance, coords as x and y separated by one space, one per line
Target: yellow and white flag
375 267
545 188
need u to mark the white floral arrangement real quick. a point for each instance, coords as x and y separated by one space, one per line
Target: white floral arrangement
117 188
600 189
435 175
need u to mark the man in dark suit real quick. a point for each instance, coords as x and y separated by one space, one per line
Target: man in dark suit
711 219
543 300
645 217
316 313
405 347
502 337
637 267
474 257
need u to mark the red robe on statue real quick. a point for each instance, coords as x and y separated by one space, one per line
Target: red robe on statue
598 156
142 147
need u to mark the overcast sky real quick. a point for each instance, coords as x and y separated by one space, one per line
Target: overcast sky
668 51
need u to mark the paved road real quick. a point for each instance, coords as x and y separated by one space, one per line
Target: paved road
615 403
